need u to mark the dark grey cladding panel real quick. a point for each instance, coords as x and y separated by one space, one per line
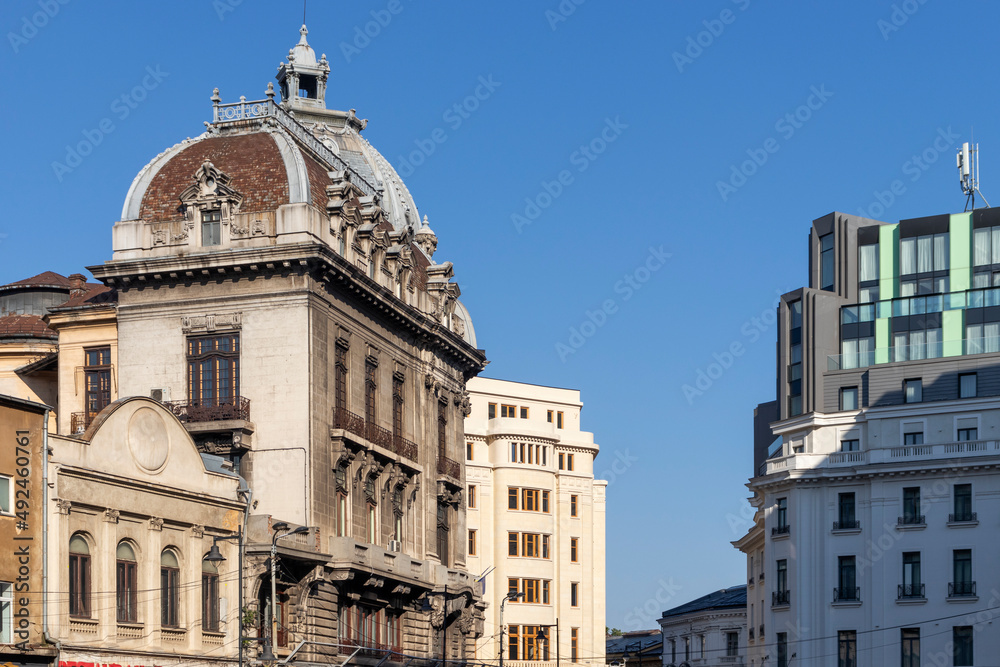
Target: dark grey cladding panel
933 224
985 217
833 382
939 378
868 235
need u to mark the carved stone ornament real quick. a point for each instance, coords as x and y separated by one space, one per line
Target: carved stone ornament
63 506
466 405
466 620
156 524
211 189
210 323
111 516
198 531
160 237
437 611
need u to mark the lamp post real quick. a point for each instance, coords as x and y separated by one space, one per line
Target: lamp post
281 525
215 556
509 596
544 635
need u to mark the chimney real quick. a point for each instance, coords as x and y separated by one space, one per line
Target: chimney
77 285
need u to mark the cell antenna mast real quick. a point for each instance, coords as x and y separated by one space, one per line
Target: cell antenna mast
968 174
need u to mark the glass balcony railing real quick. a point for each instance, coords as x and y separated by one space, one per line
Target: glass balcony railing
916 352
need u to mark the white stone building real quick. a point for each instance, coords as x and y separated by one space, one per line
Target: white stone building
708 631
536 523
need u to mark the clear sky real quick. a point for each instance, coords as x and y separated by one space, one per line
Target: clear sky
591 197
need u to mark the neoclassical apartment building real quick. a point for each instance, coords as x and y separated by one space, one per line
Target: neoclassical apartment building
877 477
536 519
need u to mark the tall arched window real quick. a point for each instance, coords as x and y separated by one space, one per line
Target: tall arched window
126 588
169 593
79 577
209 596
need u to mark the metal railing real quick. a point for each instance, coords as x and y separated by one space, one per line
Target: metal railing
846 525
966 517
911 520
780 598
375 434
369 649
80 422
961 589
449 467
905 591
781 530
849 594
258 109
210 410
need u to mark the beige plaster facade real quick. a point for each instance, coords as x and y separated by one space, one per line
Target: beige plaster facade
531 449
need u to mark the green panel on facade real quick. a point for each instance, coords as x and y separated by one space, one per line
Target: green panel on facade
882 340
888 262
952 332
960 231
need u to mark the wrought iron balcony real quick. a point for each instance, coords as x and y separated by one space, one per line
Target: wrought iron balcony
780 598
449 467
910 591
966 517
849 594
211 410
846 525
911 520
373 433
781 530
961 589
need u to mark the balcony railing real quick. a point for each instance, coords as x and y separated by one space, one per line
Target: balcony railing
847 525
910 591
448 467
849 594
780 598
911 520
878 455
375 434
781 530
961 589
80 422
966 517
370 649
210 410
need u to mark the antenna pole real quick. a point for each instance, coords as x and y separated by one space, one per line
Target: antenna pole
304 11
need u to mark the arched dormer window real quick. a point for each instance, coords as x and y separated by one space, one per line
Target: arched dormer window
79 577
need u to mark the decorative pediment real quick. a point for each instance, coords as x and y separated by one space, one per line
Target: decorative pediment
211 189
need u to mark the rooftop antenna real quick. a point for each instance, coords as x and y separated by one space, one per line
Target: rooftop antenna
304 11
968 174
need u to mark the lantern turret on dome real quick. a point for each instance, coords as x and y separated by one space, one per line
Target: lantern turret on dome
302 79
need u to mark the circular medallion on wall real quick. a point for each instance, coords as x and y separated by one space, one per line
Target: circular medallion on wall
148 439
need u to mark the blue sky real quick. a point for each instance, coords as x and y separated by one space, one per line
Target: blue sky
643 174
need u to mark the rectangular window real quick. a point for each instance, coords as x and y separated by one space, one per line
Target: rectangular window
468 451
845 511
962 641
782 649
913 391
913 438
126 592
491 411
562 461
545 591
214 375
574 550
97 380
513 544
826 262
963 503
545 546
524 413
472 496
912 587
782 514
781 568
513 587
847 578
530 545
548 416
574 594
911 506
968 434
852 445
512 494
559 420
513 452
472 543
909 639
849 398
574 644
574 505
79 578
514 642
508 411
210 601
211 228
732 644
531 591
6 612
545 502
569 462
962 568
5 494
847 648
967 385
529 500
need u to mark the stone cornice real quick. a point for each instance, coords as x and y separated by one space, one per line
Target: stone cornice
302 258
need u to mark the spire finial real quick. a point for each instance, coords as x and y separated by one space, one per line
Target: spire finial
303 31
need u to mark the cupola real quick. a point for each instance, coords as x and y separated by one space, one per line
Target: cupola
302 79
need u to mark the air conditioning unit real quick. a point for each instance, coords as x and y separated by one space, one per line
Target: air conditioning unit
161 394
395 545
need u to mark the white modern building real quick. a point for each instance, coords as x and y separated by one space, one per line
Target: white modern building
536 523
708 631
876 480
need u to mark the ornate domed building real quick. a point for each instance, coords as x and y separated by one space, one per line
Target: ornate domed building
277 290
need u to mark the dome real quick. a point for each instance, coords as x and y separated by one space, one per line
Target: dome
302 54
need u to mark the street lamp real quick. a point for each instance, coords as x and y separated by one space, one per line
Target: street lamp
215 556
509 596
281 525
543 634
